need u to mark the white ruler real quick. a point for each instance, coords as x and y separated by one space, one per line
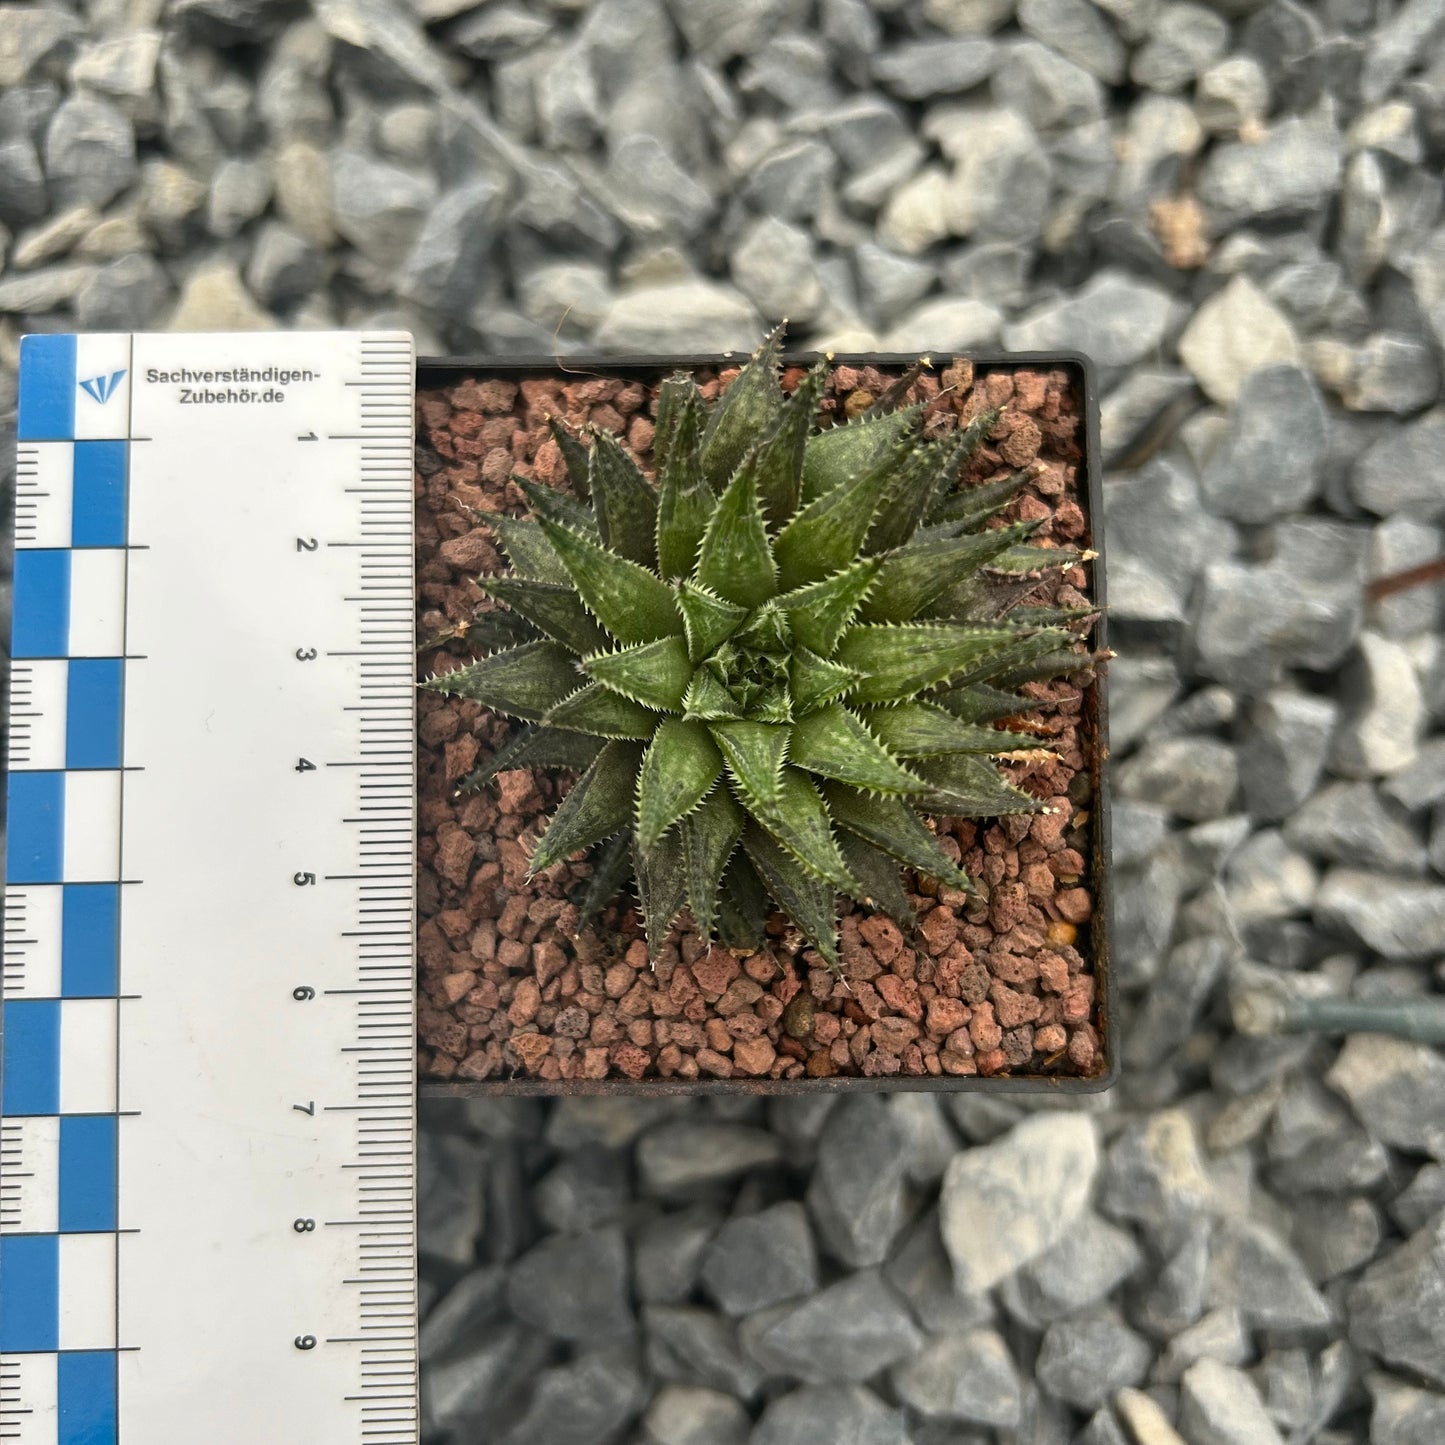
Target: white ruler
207 1176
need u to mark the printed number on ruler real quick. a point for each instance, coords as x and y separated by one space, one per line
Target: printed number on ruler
207 1199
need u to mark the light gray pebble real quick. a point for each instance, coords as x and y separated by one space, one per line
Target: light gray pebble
123 67
1232 94
845 1414
38 40
1351 823
1334 1236
793 182
1302 608
1195 777
1282 750
1404 1414
444 264
945 325
888 282
1175 1001
1397 1307
1397 473
1400 543
1390 372
968 1376
496 31
283 267
1142 688
919 69
1083 1362
651 193
919 1270
1235 333
1219 1405
847 1332
992 271
1146 907
574 1287
1218 1335
774 265
1266 879
1399 918
1129 413
23 194
1153 1175
687 1156
90 153
1050 1158
1315 1144
1396 1088
1047 88
128 294
454 1322
1383 712
450 1186
586 1188
680 317
1422 783
668 1251
1076 29
1184 40
464 1391
1267 465
585 1401
379 208
697 1346
1116 319
759 1260
240 191
694 1415
1253 1270
1000 185
1291 171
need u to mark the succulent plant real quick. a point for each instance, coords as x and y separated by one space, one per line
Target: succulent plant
773 665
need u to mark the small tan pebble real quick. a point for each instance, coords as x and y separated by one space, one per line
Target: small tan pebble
531 1049
1050 1038
754 1057
893 1034
821 1064
714 1063
761 967
958 1064
456 986
669 1060
1060 933
939 929
630 1060
983 1028
617 980
826 1027
1075 905
514 788
637 954
882 937
1079 1001
455 851
1083 1048
945 1015
714 971
1053 971
992 1061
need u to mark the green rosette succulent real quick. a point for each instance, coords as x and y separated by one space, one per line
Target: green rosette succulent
773 664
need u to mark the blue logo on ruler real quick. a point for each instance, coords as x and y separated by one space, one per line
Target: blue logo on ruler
58 1106
102 388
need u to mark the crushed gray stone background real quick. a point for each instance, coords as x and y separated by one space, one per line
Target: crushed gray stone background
1235 209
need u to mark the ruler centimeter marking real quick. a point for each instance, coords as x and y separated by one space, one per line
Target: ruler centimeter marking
207 1119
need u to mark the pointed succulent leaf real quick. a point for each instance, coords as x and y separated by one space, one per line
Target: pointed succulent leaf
599 804
980 703
611 868
735 560
1043 665
676 393
681 765
928 475
819 612
878 876
755 753
1035 559
892 825
684 499
623 499
816 681
602 713
743 904
655 674
998 667
972 506
548 504
825 536
921 730
491 631
708 620
574 455
1032 616
984 597
523 682
661 890
528 550
633 604
709 835
833 743
809 901
555 609
900 660
535 747
707 699
843 453
914 575
799 820
780 460
748 408
964 786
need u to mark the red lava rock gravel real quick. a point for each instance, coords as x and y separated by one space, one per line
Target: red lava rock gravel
993 987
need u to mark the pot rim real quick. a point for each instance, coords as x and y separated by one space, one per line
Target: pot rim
436 370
